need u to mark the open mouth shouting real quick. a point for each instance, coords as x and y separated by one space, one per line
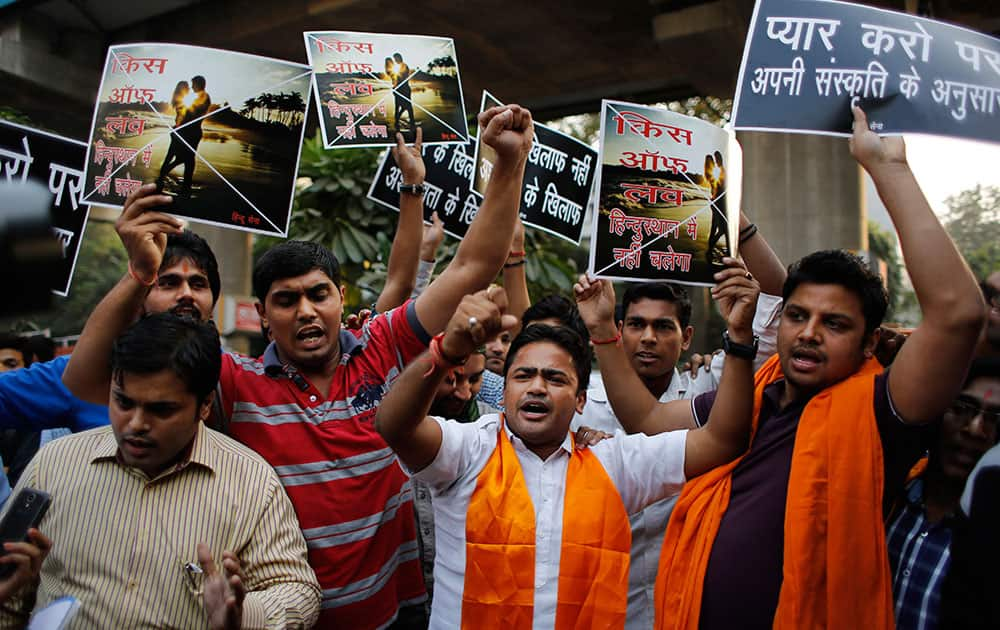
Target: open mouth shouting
806 359
310 337
186 309
534 409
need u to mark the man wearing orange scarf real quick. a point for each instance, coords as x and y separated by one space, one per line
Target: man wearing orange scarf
531 531
790 535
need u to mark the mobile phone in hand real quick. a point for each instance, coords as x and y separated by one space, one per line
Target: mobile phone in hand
26 511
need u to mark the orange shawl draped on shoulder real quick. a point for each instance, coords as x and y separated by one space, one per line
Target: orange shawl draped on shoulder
835 571
499 589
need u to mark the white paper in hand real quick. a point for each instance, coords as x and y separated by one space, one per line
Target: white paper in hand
56 615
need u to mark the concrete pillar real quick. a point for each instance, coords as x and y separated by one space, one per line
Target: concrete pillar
805 194
803 191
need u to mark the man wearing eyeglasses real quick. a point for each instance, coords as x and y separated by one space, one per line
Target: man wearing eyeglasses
920 528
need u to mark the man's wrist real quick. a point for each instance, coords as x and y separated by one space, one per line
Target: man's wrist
452 354
743 336
604 330
735 345
892 169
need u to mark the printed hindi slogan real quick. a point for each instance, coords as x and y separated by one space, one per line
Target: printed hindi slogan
219 131
369 86
447 186
806 61
558 179
57 161
662 212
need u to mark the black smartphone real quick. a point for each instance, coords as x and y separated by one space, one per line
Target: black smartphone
26 511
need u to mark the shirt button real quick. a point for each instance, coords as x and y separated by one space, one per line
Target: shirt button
312 398
906 573
923 534
131 584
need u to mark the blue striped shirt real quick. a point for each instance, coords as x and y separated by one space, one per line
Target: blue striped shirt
919 554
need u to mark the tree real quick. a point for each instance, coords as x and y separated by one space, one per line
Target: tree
973 221
884 246
331 207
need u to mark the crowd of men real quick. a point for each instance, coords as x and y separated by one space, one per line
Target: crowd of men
451 462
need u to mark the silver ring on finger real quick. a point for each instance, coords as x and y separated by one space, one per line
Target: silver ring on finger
473 322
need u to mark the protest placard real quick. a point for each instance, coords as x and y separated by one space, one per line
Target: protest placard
662 211
58 162
558 179
220 131
446 184
806 62
371 85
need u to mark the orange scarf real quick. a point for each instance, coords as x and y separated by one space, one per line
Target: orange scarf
499 587
835 571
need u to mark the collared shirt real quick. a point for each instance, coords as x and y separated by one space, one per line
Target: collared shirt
920 554
744 574
121 541
354 503
649 525
644 470
491 391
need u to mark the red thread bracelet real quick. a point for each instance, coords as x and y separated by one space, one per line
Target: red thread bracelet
604 342
439 360
136 277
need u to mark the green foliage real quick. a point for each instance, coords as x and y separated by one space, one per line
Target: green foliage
13 115
973 221
883 245
331 207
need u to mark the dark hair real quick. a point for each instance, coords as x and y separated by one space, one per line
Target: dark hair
187 244
398 57
164 341
557 307
40 347
198 82
663 292
565 338
839 267
983 366
14 342
289 260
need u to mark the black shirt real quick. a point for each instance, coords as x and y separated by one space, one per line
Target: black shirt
744 574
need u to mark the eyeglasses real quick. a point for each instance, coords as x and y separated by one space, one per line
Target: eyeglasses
965 411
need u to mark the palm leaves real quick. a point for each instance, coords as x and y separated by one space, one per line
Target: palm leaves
284 108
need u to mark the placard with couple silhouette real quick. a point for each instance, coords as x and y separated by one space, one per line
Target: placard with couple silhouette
220 131
663 210
371 86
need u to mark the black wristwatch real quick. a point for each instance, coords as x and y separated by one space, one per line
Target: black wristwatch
412 189
739 350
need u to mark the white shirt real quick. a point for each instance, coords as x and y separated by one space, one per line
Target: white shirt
649 525
990 458
644 470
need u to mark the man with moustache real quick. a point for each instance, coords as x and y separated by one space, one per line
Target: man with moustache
919 530
187 283
504 486
159 521
792 534
306 405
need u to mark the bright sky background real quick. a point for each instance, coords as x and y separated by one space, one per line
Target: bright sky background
944 167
